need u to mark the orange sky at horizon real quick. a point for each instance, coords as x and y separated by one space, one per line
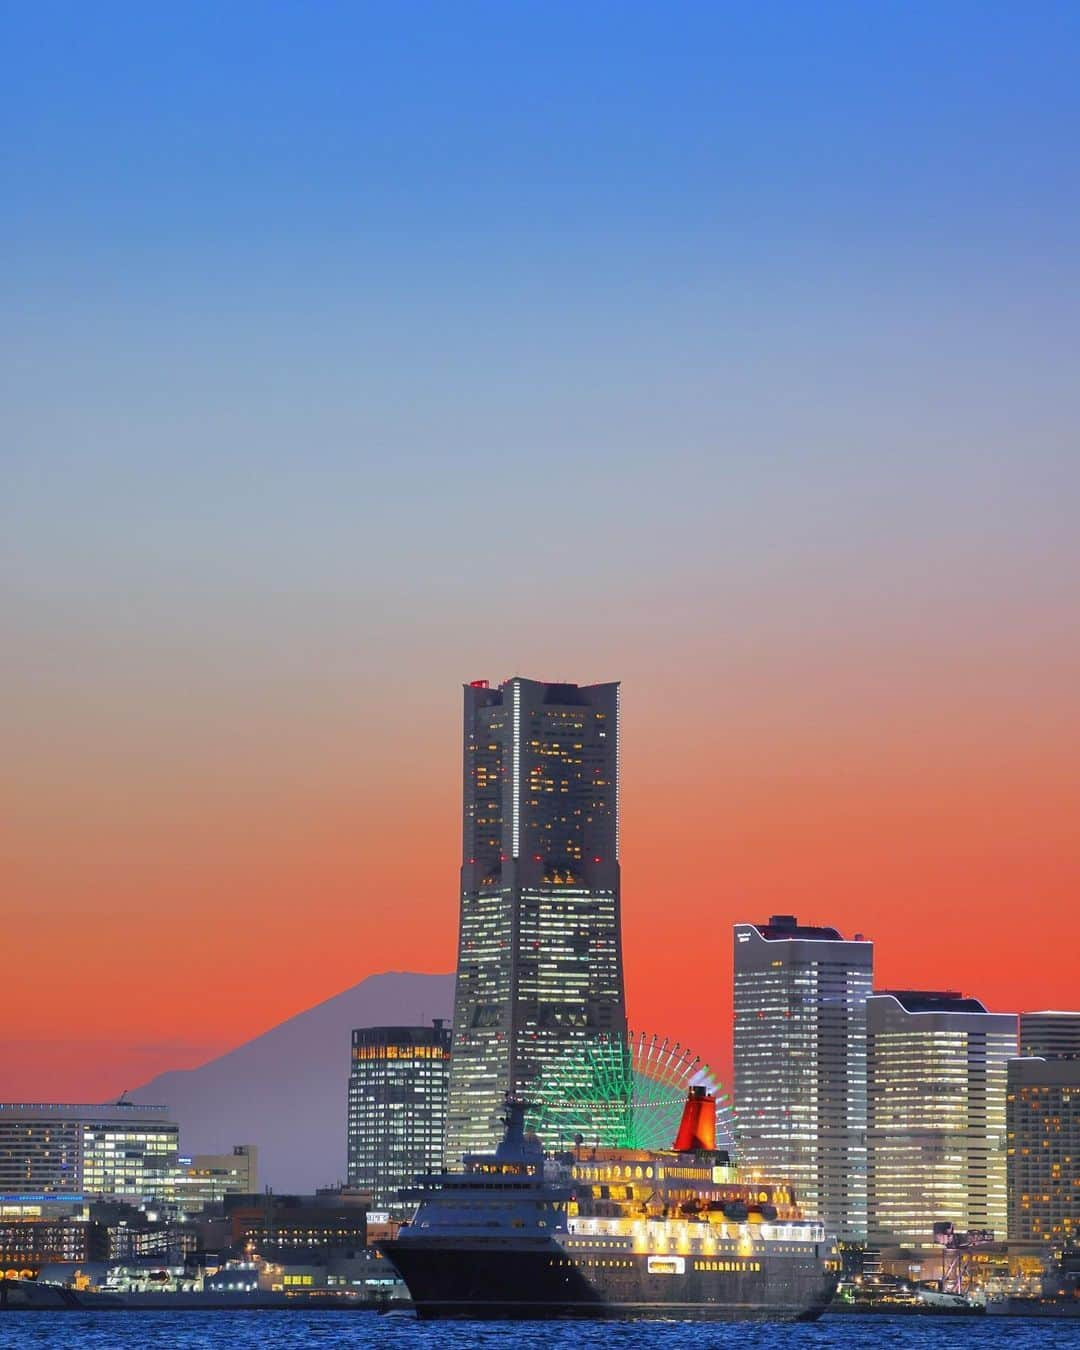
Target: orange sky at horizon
174 911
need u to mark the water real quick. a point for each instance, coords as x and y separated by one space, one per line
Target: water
329 1331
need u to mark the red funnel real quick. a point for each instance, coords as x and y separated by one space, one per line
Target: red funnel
697 1129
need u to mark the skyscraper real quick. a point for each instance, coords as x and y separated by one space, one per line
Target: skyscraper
397 1107
936 1072
539 966
1043 1120
1043 1155
800 1063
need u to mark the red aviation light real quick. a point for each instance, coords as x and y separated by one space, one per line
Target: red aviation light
697 1129
479 684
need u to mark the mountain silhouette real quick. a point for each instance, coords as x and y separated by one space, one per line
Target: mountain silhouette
286 1090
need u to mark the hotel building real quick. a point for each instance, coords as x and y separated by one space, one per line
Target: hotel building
936 1077
398 1089
114 1151
539 969
800 1064
1043 1119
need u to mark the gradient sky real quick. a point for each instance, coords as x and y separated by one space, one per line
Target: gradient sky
353 351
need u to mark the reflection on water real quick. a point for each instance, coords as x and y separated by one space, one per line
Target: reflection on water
328 1331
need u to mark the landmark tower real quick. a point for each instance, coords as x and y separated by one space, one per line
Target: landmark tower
539 969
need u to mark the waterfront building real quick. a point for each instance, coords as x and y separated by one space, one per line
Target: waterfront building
37 1230
114 1150
1050 1035
800 1064
1043 1159
936 1078
398 1089
290 1227
539 969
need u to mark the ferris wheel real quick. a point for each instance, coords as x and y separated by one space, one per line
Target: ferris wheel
623 1092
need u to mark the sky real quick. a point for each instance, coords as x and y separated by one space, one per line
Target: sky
354 351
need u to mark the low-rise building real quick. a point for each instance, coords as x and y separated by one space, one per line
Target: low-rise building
207 1178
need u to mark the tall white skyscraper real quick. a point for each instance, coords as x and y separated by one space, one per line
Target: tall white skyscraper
936 1071
539 968
800 1063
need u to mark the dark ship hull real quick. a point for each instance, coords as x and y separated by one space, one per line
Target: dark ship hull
1035 1307
523 1279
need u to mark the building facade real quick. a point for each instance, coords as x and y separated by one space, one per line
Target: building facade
1043 1161
115 1150
936 1078
207 1178
539 969
36 1231
398 1092
295 1227
800 1064
1050 1035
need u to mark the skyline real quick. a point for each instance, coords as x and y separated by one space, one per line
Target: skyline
355 356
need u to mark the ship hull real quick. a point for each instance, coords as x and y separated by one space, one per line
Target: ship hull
1035 1307
520 1281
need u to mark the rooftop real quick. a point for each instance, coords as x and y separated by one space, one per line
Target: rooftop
932 1000
784 927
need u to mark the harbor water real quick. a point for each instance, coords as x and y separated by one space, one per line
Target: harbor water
356 1331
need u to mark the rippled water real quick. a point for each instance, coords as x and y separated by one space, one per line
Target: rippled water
329 1330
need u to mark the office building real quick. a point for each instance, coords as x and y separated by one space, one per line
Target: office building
1043 1162
936 1078
800 1064
113 1150
539 969
1050 1035
207 1178
398 1089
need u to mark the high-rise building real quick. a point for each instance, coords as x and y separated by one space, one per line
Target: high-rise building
398 1087
539 968
117 1150
800 1064
1050 1035
936 1074
1043 1166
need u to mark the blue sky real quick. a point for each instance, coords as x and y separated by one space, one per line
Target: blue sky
322 280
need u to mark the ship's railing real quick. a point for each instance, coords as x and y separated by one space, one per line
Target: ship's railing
694 1232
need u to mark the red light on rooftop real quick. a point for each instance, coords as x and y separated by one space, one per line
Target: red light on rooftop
478 684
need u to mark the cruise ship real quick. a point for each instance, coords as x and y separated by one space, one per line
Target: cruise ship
612 1233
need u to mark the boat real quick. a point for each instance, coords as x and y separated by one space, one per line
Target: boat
1060 1295
941 1300
612 1233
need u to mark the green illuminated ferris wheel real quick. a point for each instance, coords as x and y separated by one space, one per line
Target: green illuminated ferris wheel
623 1092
